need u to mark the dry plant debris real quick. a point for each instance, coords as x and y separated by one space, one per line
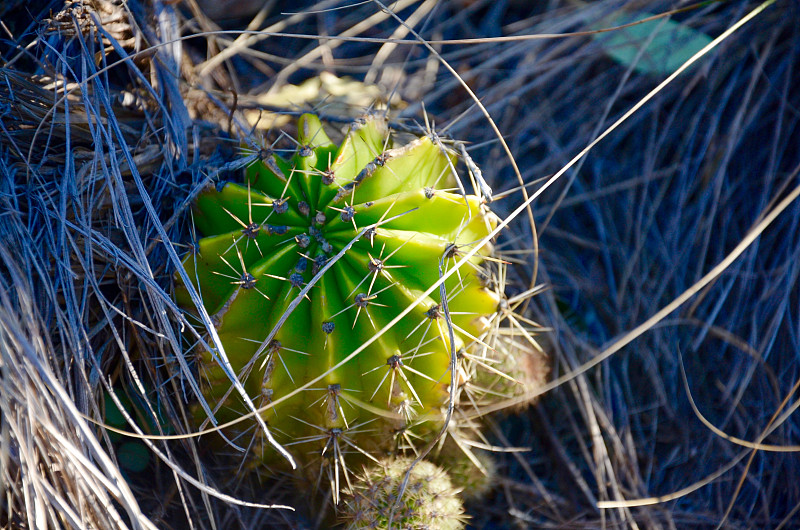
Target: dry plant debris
108 133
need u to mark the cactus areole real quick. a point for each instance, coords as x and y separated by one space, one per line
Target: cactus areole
397 215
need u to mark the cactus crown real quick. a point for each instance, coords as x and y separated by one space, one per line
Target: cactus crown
379 221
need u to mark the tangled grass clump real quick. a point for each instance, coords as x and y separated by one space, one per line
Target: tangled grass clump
670 248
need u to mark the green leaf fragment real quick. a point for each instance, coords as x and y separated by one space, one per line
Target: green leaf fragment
667 43
133 456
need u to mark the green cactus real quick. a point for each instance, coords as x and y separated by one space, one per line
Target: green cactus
519 367
474 470
429 499
265 239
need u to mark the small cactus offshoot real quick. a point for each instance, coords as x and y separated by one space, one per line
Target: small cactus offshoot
359 232
429 499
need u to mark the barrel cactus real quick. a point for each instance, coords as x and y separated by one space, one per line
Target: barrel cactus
370 225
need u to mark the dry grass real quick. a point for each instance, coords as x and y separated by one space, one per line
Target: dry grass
110 125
